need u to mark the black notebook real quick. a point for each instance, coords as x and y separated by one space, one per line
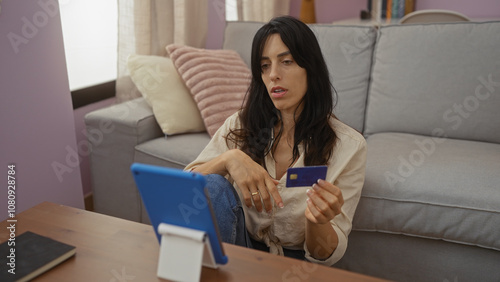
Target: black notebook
33 255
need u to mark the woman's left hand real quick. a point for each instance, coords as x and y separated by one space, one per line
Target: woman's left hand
324 203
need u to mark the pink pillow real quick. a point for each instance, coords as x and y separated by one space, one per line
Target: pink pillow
217 79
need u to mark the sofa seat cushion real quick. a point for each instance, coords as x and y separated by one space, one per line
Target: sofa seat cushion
433 188
173 151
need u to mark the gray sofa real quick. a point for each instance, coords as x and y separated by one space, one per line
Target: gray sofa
427 99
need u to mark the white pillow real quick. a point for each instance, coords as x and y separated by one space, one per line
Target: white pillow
173 106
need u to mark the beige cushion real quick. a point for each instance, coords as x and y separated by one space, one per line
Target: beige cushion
217 79
164 90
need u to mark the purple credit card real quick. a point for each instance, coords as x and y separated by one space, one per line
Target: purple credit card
305 176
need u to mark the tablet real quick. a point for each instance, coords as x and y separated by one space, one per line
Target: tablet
179 198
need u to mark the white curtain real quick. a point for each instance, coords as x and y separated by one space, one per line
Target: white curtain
146 26
261 10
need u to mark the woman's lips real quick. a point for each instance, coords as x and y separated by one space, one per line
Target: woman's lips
278 92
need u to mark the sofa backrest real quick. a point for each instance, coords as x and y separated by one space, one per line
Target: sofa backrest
437 80
348 54
238 36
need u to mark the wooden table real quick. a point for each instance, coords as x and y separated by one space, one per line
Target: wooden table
113 249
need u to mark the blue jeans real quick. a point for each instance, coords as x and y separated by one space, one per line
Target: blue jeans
228 211
231 218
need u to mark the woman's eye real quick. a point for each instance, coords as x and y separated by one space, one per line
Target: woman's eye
287 62
264 66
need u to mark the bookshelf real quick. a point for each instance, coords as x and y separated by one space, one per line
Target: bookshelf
390 10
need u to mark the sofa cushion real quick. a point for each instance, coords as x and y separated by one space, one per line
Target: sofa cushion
241 44
164 90
173 151
437 79
433 188
348 54
217 79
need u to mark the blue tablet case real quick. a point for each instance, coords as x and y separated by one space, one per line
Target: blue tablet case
178 197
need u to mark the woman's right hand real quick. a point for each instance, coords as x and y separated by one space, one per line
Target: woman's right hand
254 182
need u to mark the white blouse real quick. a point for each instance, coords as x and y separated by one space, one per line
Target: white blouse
286 227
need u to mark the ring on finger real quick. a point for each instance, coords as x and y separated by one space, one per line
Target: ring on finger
255 193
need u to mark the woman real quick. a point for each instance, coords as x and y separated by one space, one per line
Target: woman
286 121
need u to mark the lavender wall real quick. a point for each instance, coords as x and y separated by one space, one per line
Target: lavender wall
36 116
472 9
216 24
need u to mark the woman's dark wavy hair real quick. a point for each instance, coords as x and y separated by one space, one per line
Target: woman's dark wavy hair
258 115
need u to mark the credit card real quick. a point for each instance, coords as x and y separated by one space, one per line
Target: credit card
305 176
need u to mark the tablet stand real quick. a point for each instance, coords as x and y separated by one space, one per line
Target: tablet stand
182 253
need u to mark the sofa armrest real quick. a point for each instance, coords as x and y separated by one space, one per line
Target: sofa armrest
113 133
134 117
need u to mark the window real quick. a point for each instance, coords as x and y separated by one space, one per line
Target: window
231 10
90 41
